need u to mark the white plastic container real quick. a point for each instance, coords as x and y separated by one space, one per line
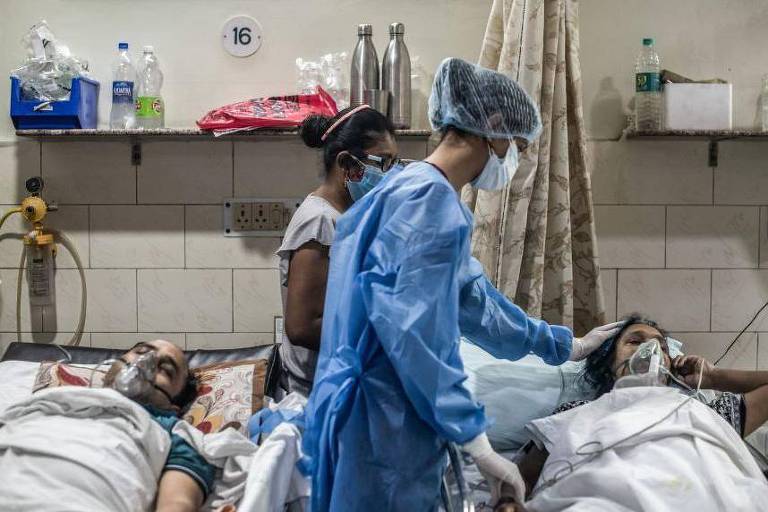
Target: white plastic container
698 106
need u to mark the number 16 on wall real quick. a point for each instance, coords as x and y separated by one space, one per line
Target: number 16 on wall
241 36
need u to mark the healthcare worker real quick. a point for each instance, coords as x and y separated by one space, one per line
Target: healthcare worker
355 137
389 389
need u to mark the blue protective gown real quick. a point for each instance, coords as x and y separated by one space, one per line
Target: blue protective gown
388 391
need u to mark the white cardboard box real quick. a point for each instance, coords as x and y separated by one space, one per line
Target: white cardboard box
698 106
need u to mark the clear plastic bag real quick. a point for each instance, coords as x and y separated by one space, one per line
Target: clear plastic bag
329 72
50 67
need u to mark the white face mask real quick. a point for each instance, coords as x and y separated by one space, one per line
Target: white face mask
498 172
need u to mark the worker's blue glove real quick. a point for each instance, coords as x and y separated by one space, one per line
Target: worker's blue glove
584 346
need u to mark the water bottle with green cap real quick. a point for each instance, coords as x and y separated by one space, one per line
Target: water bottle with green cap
648 89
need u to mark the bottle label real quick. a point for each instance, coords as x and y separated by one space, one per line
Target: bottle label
122 92
149 107
648 82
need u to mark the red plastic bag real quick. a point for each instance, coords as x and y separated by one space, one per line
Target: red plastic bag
274 112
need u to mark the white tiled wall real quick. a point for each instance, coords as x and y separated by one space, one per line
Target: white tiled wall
685 243
150 237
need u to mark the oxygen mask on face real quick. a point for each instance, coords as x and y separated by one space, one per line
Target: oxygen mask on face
136 379
646 366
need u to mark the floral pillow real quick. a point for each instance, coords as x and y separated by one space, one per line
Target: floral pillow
227 395
52 374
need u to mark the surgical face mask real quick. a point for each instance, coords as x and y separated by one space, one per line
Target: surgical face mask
371 177
136 380
646 366
498 172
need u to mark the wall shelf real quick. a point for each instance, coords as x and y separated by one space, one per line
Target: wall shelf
138 137
174 134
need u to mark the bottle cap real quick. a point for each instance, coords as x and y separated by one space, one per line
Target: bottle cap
365 29
648 41
396 29
149 49
122 46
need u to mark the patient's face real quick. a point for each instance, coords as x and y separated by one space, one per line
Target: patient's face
172 369
630 341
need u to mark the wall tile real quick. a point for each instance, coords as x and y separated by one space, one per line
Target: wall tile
137 236
60 338
762 351
608 280
736 296
677 299
650 172
192 172
71 220
89 172
111 301
414 148
276 168
185 300
630 236
207 247
705 236
128 340
711 346
18 161
228 340
741 176
763 237
31 317
257 300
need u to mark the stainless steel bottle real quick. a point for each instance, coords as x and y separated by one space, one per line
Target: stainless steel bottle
365 66
396 77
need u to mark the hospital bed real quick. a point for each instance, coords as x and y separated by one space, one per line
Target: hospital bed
455 492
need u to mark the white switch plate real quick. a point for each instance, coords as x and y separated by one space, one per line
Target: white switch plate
253 208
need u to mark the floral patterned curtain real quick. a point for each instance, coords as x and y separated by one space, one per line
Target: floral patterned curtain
536 239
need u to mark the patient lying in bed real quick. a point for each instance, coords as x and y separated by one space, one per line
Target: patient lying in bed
87 449
649 448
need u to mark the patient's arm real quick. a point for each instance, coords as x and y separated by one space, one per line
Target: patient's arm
531 464
752 384
178 492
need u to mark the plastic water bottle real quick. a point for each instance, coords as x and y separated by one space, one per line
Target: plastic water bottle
123 115
648 89
150 108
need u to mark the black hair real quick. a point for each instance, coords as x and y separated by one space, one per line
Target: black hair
598 371
188 394
361 131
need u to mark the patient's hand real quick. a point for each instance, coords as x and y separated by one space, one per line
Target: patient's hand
689 367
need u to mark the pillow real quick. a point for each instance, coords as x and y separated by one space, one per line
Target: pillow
52 374
227 395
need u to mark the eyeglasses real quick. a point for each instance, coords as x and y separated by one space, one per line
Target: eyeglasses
383 163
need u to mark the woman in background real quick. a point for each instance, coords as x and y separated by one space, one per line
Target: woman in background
358 146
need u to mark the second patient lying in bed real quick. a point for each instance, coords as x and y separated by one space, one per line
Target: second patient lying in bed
87 449
649 448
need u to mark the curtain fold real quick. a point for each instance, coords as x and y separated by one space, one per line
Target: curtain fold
536 239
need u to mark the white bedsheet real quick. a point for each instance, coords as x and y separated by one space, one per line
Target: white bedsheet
260 478
91 449
691 461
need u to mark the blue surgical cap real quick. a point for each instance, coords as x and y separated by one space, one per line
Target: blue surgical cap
482 102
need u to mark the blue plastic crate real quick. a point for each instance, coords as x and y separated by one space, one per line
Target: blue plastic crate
81 111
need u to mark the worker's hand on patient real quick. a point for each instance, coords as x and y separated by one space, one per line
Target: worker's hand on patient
496 470
591 341
688 369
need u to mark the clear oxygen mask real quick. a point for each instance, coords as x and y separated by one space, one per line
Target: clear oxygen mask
646 367
136 380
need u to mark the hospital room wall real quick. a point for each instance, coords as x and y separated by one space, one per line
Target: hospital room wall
157 263
679 240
